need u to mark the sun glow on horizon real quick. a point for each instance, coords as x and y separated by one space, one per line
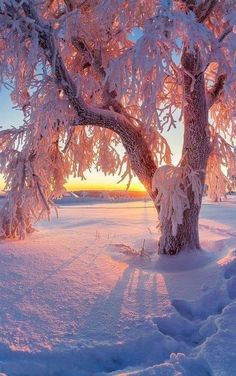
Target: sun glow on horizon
98 181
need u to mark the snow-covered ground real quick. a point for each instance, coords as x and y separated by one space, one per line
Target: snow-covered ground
77 299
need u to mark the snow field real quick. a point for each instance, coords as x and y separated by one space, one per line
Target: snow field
78 299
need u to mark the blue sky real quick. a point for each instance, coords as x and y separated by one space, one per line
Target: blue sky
9 116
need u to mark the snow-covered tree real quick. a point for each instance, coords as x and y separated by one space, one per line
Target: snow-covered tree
85 85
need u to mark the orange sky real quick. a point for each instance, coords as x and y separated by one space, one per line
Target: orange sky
98 181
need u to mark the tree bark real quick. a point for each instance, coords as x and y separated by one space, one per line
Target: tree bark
196 149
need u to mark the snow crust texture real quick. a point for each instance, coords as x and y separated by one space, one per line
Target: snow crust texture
87 295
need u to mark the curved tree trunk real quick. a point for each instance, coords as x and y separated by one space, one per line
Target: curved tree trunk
195 153
140 157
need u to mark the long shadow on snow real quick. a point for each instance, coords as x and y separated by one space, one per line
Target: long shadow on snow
107 351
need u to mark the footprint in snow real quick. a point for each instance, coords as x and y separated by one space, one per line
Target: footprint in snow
180 329
184 308
192 322
209 304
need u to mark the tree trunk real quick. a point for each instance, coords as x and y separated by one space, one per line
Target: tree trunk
187 236
195 153
141 159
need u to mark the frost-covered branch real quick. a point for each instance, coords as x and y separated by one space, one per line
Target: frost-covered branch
222 155
201 10
69 5
216 90
225 33
91 57
204 9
